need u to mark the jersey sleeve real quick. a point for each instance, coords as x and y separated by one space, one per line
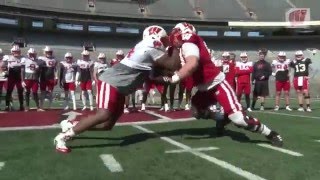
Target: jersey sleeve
23 61
190 49
156 53
309 61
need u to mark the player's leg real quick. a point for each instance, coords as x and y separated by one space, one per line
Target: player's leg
164 100
233 110
66 96
255 96
83 95
43 88
50 85
306 93
110 108
247 91
286 89
239 91
278 94
1 88
20 94
90 95
172 90
133 100
180 94
34 90
28 86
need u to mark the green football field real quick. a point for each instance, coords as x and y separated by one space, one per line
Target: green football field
169 151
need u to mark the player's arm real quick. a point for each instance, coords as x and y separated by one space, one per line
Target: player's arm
273 67
61 69
191 53
23 69
95 72
168 60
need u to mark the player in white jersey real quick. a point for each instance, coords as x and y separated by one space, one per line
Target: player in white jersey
119 81
48 75
13 62
99 66
84 78
280 69
30 75
67 77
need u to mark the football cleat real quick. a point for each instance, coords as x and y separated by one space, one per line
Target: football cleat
249 109
60 142
143 107
309 109
301 109
126 110
275 139
91 108
288 108
276 108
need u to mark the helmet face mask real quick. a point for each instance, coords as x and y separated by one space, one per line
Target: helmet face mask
281 58
69 59
175 38
48 54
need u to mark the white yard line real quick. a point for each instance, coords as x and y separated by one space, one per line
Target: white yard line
56 126
193 149
286 151
222 164
317 140
285 114
156 114
2 165
111 163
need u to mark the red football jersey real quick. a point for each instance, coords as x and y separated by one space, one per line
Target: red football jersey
228 68
243 72
206 71
114 61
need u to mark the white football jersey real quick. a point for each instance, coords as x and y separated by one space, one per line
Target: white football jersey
100 66
12 61
280 66
70 70
48 62
144 54
31 66
244 65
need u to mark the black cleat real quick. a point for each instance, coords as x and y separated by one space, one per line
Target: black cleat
275 138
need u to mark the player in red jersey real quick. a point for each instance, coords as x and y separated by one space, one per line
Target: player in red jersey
119 57
243 72
301 79
280 68
228 68
211 83
13 62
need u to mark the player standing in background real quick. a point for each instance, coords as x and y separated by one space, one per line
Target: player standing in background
280 69
260 78
13 62
119 57
301 79
228 68
119 81
99 66
30 77
243 72
67 73
48 75
3 75
84 78
212 86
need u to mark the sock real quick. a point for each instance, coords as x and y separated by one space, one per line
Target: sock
42 96
50 98
254 103
301 105
83 97
264 130
36 99
248 100
28 98
90 97
262 104
70 133
308 105
73 97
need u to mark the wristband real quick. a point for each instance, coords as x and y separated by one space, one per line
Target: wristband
175 78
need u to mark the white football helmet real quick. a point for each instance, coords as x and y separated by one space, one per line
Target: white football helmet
281 56
120 53
299 55
68 54
244 57
85 53
15 48
31 51
186 27
101 56
154 32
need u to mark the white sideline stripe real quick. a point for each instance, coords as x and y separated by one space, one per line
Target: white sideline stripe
111 163
156 114
284 114
193 149
286 151
56 126
222 164
2 165
317 140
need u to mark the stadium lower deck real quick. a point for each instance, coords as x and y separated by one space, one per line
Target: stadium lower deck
158 145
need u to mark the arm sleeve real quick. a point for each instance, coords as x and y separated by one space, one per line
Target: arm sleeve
190 49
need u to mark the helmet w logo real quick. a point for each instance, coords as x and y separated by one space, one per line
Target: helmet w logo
297 16
154 30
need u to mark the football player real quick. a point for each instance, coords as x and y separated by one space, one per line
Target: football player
67 80
30 77
48 75
228 68
119 57
3 74
84 78
301 79
281 72
119 81
13 62
211 84
243 72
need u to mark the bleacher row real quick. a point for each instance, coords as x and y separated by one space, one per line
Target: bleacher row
217 10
